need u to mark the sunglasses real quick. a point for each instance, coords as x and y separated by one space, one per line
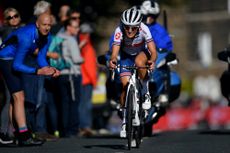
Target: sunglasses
75 18
75 27
11 17
133 28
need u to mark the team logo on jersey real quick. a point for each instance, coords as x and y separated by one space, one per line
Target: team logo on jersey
118 36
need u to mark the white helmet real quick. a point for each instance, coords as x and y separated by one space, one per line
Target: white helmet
150 8
131 17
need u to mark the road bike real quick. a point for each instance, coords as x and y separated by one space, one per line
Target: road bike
134 114
163 81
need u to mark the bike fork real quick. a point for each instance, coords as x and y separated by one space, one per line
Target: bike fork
136 119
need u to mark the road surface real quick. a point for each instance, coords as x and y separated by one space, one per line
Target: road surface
192 141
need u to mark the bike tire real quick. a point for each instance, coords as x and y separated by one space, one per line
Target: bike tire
137 135
139 129
129 115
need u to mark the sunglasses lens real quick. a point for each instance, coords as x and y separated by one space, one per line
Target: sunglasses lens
11 17
129 27
8 18
134 28
75 18
16 16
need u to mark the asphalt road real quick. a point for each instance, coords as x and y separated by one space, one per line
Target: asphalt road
204 141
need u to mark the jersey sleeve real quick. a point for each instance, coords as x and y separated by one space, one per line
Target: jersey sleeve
111 40
146 32
117 37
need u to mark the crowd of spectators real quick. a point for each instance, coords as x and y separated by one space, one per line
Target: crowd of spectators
62 106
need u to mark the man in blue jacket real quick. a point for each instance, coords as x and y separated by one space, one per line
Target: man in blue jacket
13 51
151 10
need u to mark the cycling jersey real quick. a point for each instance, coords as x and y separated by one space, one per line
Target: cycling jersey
132 46
22 42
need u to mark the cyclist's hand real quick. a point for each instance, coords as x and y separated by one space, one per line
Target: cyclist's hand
151 65
112 64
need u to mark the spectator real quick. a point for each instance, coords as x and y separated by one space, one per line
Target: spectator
69 83
14 49
63 16
37 99
12 21
89 80
63 13
75 15
42 7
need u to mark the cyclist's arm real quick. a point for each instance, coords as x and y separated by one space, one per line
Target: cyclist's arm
113 58
115 52
116 45
152 49
117 37
150 43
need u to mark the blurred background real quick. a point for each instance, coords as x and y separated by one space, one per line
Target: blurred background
199 29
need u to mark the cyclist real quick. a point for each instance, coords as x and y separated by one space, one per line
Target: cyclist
133 40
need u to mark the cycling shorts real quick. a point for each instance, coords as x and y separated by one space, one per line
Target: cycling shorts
129 60
12 78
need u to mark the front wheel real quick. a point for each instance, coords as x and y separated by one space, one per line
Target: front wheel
129 115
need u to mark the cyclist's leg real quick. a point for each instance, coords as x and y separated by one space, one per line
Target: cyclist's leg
141 61
124 81
124 77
